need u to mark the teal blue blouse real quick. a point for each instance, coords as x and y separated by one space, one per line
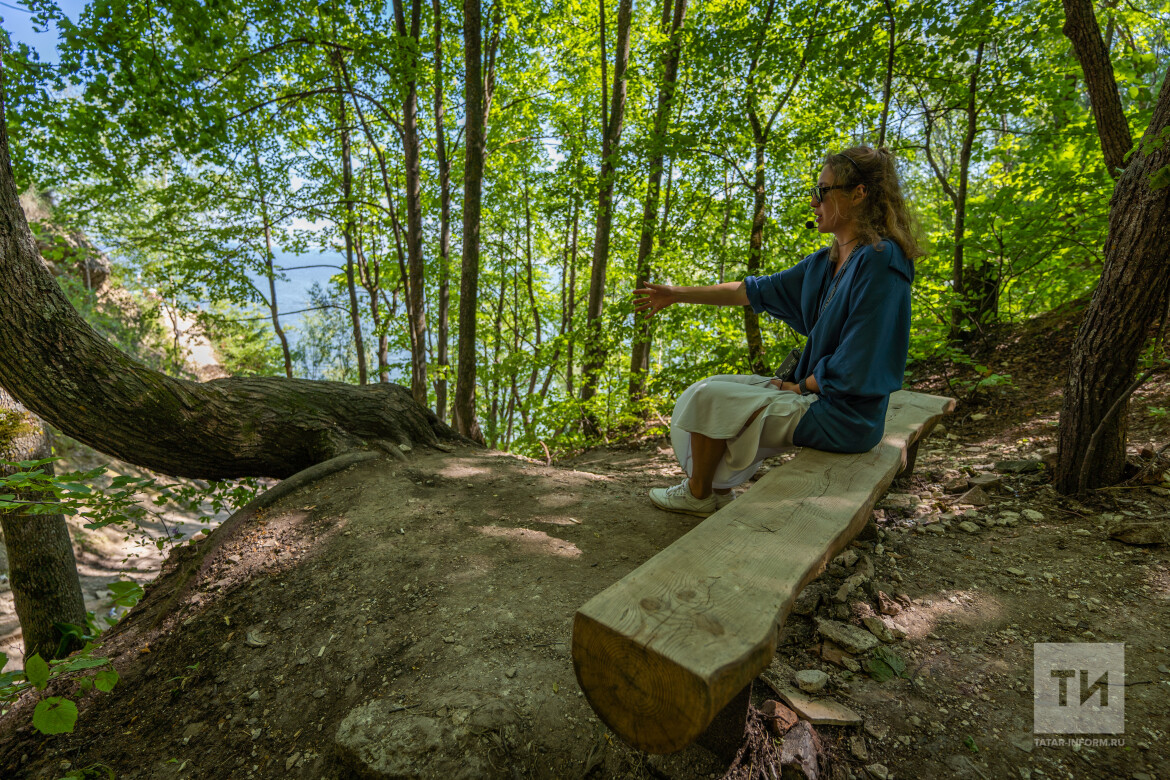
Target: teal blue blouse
856 348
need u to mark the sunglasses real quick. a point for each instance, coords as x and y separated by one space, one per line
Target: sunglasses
818 191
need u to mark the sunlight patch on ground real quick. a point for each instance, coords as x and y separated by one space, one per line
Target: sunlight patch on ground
558 500
533 541
964 606
555 520
460 470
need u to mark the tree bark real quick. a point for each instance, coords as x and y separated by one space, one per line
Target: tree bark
1080 26
961 197
892 48
610 147
463 412
65 373
271 273
1130 297
41 566
347 195
416 297
444 167
640 349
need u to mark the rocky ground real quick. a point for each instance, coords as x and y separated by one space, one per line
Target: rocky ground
414 619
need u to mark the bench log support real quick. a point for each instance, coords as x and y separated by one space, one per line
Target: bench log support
661 652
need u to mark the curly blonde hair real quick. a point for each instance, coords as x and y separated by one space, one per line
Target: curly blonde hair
883 212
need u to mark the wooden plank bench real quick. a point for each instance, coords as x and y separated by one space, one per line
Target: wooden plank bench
661 652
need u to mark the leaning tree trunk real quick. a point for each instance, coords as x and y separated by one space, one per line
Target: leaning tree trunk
1128 301
1080 27
41 567
61 370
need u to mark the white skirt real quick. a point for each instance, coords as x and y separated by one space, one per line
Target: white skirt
719 407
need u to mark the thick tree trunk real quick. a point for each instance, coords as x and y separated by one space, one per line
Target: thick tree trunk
61 370
41 567
463 413
444 167
1080 26
1128 301
640 350
416 297
610 148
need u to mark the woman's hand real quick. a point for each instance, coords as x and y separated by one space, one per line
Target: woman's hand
791 387
653 298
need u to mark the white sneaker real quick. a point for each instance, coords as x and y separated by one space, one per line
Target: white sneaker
723 499
678 498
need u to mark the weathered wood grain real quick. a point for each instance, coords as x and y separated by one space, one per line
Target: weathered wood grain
659 653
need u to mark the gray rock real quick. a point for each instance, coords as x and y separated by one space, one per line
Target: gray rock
969 527
1019 466
878 771
811 680
936 528
850 638
1137 532
976 496
878 628
800 755
986 481
1032 516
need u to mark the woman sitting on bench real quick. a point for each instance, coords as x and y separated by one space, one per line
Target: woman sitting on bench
852 300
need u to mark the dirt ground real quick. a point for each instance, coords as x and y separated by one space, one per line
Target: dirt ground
414 619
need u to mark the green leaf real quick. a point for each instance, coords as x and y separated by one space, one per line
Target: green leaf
969 741
86 663
105 680
878 670
37 671
55 715
126 593
884 665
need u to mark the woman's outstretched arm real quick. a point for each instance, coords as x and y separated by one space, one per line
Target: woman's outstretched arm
653 298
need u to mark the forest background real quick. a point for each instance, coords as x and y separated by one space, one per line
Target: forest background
212 149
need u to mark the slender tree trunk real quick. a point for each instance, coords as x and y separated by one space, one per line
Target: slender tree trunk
529 275
347 196
751 321
477 104
572 308
271 274
1080 26
444 166
368 275
640 348
961 196
416 297
41 568
610 149
889 74
1130 297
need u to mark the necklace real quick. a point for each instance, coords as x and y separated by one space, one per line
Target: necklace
836 282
